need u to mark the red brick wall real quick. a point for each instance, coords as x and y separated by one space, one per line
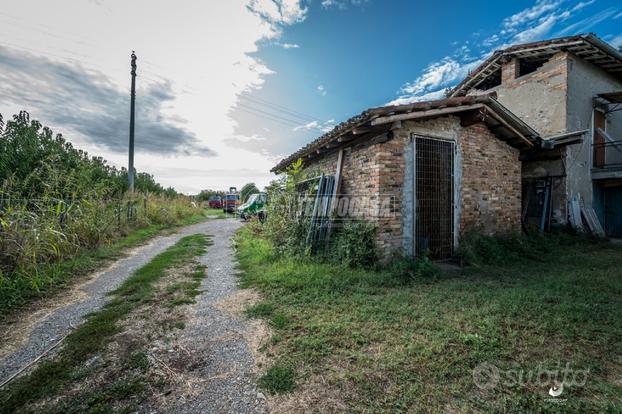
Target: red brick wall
360 177
510 70
491 182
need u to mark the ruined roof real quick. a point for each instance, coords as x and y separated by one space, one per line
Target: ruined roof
587 46
613 97
376 121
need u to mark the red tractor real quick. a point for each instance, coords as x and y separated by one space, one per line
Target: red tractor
230 202
214 201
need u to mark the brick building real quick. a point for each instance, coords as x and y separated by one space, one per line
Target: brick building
442 167
532 136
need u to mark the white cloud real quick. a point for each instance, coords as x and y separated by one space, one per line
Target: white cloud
582 4
342 4
491 40
437 74
617 40
321 90
289 45
528 15
543 27
215 65
617 16
279 12
430 96
316 126
585 24
530 24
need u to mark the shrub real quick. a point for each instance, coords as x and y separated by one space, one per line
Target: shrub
354 244
286 225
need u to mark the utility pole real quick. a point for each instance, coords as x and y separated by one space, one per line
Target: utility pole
130 169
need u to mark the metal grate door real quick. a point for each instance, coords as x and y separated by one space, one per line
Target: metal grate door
434 191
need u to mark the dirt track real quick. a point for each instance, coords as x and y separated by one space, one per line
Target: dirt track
225 367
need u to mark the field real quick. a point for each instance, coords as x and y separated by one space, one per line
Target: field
371 341
63 212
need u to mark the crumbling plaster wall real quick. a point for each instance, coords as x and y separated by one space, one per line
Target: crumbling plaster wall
585 81
539 97
554 99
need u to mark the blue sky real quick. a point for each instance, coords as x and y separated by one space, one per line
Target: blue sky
367 53
226 88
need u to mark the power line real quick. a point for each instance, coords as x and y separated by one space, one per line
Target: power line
281 108
272 117
266 115
277 115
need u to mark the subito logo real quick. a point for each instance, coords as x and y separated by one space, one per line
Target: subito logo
486 376
556 390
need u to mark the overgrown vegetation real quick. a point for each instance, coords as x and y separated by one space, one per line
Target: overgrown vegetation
407 338
477 249
58 204
288 218
354 244
117 382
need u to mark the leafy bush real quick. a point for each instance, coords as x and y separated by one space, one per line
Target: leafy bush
34 162
354 244
286 225
205 195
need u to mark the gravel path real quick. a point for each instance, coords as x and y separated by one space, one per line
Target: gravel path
218 337
55 325
214 336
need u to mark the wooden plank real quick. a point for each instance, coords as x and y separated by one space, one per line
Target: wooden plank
592 221
422 114
361 130
336 190
345 138
508 126
574 213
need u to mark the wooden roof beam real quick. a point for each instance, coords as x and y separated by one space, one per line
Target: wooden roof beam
423 114
509 127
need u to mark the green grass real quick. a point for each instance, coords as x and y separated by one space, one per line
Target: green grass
218 213
16 290
186 291
278 379
90 338
387 343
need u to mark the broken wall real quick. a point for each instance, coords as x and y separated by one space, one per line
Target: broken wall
585 81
